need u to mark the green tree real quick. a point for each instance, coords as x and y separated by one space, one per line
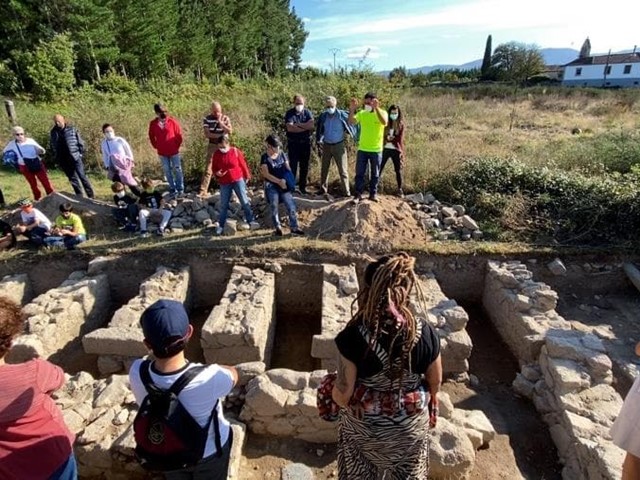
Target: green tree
485 70
516 62
398 75
50 67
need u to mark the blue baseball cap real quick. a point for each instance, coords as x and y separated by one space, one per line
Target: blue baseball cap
163 321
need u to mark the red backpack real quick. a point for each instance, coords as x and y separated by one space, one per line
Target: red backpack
167 436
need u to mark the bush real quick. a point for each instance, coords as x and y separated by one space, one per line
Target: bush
50 68
8 79
115 83
566 206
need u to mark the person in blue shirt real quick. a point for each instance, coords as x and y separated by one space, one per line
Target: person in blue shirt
330 134
299 125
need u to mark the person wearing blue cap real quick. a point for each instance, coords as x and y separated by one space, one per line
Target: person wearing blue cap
166 328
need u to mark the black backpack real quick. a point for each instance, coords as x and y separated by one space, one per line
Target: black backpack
167 436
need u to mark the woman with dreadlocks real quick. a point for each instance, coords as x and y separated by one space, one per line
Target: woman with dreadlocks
385 357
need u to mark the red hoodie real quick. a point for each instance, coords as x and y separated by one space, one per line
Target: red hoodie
232 165
165 140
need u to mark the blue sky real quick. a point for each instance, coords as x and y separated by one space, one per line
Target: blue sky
415 33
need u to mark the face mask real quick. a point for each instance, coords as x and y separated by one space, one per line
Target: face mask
368 108
109 135
120 194
224 149
393 116
299 108
331 110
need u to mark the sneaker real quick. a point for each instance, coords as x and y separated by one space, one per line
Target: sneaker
278 232
180 195
373 198
400 193
356 200
243 226
219 230
297 232
254 225
160 232
144 234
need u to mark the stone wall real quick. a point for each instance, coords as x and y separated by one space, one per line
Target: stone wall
101 413
17 288
520 309
121 342
339 290
241 327
565 372
56 318
449 320
282 403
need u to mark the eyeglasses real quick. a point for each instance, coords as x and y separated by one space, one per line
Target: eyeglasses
19 134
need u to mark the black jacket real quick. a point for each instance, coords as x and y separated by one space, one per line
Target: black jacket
74 149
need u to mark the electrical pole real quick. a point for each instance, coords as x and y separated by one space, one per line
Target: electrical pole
334 51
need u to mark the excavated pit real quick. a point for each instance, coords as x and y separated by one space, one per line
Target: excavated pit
595 309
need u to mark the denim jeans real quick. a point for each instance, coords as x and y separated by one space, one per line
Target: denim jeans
67 471
274 197
172 167
225 197
66 241
37 235
363 161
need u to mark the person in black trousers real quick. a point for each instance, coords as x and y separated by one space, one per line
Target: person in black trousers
68 149
299 124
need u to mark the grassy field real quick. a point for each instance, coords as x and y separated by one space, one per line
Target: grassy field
581 132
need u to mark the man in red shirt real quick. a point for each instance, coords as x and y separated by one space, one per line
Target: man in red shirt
231 171
34 440
165 134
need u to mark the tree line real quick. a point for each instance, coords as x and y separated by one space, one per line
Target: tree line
62 43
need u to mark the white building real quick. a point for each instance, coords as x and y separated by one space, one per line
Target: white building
614 70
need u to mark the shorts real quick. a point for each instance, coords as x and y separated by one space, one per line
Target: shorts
625 431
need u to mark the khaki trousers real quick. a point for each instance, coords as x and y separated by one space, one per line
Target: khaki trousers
338 153
208 172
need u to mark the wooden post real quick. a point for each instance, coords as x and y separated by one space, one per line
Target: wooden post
11 111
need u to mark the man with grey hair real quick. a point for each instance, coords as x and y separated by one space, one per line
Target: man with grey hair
332 125
215 125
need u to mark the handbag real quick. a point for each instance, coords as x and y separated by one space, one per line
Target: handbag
34 165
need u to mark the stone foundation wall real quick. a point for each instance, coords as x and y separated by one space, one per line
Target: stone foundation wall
56 318
121 342
241 327
101 413
17 288
339 290
566 373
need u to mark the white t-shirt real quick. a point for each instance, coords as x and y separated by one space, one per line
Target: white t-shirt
35 214
29 149
198 397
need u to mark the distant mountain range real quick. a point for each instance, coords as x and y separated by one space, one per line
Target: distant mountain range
551 56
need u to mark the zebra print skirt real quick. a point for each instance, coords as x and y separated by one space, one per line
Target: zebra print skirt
383 447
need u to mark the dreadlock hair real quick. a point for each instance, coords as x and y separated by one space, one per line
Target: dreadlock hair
383 305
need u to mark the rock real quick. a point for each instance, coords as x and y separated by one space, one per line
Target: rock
230 227
469 223
265 398
430 223
202 215
456 318
297 471
522 386
248 371
429 198
288 379
452 454
477 234
273 267
459 210
475 420
473 381
448 212
97 265
415 198
445 405
557 267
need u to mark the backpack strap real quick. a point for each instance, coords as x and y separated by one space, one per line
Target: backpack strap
185 378
216 428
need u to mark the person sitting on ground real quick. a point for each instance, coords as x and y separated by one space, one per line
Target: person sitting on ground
26 153
166 328
117 158
126 209
279 182
34 224
389 364
34 440
68 230
394 145
7 237
625 430
152 207
230 168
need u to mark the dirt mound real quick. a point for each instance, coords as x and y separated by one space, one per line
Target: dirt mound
387 225
96 215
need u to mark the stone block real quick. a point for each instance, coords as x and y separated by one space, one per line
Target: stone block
239 440
288 379
568 376
297 471
249 370
25 348
264 398
115 341
475 420
17 288
452 454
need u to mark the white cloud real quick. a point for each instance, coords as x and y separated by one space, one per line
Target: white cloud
306 19
357 53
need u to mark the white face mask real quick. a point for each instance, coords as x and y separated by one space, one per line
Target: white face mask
368 108
109 135
299 108
393 116
331 110
120 194
224 149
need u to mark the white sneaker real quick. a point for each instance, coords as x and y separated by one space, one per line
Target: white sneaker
244 226
254 225
219 230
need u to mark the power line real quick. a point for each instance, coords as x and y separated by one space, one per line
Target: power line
334 51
